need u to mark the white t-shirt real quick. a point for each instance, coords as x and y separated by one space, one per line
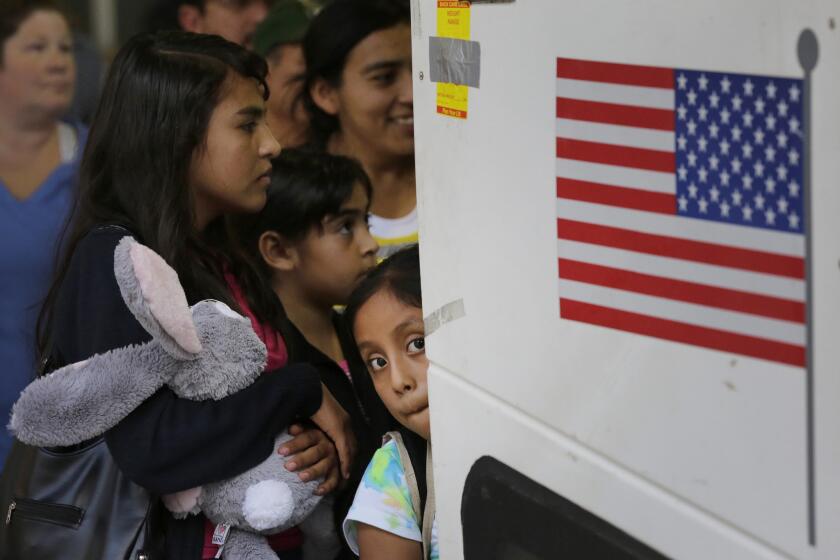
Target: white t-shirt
394 234
383 500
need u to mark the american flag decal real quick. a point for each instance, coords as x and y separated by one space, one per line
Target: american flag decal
679 206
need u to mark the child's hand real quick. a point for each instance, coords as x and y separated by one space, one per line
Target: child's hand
335 422
315 456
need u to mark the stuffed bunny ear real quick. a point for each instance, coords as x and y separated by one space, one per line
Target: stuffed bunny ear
151 289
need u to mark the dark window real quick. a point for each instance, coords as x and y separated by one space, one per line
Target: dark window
507 516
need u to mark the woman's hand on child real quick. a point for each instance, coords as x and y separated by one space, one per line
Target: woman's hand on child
315 456
335 422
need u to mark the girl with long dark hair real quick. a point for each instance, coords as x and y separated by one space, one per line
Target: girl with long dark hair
179 141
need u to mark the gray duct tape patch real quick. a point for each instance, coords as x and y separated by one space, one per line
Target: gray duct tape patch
454 61
446 314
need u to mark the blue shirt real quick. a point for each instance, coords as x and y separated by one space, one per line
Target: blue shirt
29 232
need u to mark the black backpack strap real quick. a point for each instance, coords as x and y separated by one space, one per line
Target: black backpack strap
429 509
416 448
415 456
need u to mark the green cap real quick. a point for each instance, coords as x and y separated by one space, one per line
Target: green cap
286 22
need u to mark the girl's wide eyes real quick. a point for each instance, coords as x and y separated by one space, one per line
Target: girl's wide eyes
376 363
417 345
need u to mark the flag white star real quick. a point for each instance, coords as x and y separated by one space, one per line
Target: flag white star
692 128
794 124
724 178
781 172
704 205
782 108
692 159
782 204
724 84
747 181
759 105
770 216
724 116
724 147
771 90
702 112
702 174
713 130
759 201
724 209
758 168
770 185
793 220
758 135
736 165
714 99
747 118
794 93
736 103
793 189
736 134
746 150
703 81
682 81
713 162
692 190
748 87
683 173
782 139
681 142
683 202
793 157
692 97
702 143
682 111
714 193
736 198
770 120
747 213
769 153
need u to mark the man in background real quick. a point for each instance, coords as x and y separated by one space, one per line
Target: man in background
278 39
235 20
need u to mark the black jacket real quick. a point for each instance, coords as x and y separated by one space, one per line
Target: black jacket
169 444
369 416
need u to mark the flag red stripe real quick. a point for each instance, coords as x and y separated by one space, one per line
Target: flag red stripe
612 113
610 154
636 199
681 332
610 72
680 290
698 251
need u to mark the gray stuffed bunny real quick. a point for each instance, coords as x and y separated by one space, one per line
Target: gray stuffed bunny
204 352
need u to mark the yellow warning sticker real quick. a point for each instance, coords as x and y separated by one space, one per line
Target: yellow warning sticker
453 21
452 100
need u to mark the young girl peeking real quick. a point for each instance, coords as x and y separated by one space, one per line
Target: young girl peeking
304 253
385 521
178 142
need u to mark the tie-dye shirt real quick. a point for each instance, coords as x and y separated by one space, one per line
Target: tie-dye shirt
383 500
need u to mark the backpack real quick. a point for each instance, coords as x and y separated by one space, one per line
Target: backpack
416 457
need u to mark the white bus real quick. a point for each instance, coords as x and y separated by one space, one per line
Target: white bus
631 243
